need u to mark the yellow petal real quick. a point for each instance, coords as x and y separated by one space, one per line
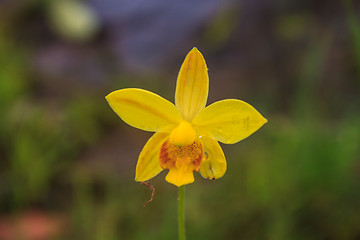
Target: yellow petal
228 121
214 162
144 110
192 85
148 165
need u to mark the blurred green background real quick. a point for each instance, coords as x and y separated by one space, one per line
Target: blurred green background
67 162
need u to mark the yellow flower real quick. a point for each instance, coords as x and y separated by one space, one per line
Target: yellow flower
186 133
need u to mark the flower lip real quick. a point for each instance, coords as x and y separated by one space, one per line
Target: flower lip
181 161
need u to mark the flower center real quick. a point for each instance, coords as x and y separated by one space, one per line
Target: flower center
181 161
183 135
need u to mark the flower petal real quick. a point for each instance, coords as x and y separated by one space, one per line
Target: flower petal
148 165
144 110
228 121
192 86
214 162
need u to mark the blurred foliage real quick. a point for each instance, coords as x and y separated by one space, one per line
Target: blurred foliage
354 26
64 152
219 30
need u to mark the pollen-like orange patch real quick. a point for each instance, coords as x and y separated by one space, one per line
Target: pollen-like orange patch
188 158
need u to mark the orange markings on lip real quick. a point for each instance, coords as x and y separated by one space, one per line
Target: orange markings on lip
187 157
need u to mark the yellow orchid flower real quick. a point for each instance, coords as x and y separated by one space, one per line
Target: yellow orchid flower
186 133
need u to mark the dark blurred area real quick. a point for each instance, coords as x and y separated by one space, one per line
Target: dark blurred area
67 162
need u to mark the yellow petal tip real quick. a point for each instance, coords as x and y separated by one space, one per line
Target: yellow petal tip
265 120
196 51
107 96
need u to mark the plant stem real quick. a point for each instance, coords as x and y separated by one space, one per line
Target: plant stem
181 213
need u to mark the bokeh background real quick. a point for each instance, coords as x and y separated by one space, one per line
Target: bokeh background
67 162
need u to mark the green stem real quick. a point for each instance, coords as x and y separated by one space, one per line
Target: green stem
181 213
